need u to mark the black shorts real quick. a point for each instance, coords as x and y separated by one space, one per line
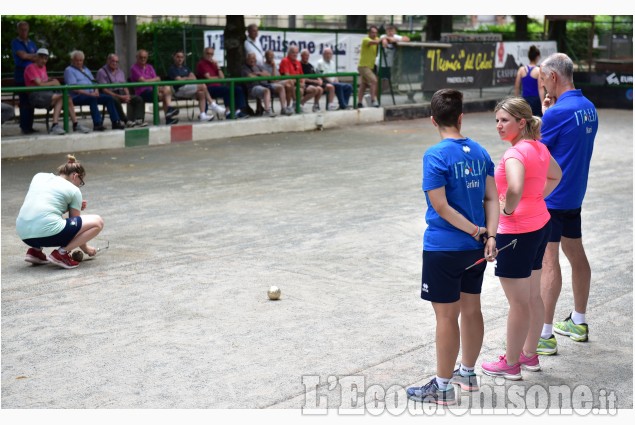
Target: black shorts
63 238
567 223
41 99
517 262
443 275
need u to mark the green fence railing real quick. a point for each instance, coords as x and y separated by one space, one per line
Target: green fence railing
65 89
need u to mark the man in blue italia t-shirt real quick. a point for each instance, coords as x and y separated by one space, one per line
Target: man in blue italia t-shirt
463 209
569 126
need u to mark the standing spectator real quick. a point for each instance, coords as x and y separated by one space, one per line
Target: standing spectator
389 43
462 212
142 71
570 123
271 67
527 77
365 67
524 176
24 54
207 69
290 65
253 46
179 72
77 74
326 65
35 75
111 73
259 89
41 222
308 69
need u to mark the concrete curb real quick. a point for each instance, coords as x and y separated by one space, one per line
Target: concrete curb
161 135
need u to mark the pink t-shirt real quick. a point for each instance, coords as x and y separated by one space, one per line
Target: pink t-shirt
531 213
32 72
137 72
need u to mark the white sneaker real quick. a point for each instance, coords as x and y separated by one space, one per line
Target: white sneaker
367 99
140 123
375 104
333 107
316 107
287 111
217 109
57 129
204 117
269 113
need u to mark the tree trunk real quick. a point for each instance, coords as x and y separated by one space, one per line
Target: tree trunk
436 24
558 32
125 31
521 27
356 22
234 44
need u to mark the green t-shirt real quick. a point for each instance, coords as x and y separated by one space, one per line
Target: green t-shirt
368 53
48 198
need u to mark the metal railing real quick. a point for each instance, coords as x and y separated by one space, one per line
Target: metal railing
65 89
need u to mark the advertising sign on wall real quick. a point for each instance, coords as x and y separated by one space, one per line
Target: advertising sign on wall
462 65
511 55
345 46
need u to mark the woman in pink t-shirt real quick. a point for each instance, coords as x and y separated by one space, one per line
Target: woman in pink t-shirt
526 174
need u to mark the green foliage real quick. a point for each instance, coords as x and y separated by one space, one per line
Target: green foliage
61 35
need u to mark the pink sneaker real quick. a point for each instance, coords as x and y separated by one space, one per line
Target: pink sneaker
62 260
36 256
501 368
530 363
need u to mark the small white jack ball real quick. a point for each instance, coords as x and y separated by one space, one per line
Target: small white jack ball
274 293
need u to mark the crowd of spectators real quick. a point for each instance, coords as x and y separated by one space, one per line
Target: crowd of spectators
111 100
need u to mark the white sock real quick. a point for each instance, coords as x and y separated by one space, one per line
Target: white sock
61 250
466 371
442 383
578 318
547 331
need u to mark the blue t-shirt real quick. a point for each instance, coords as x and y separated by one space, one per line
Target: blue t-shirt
462 166
568 130
73 76
21 64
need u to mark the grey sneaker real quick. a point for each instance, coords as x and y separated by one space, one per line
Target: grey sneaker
467 383
316 107
80 128
430 393
287 111
57 129
269 113
140 123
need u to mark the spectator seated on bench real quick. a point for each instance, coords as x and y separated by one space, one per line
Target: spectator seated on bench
111 73
179 72
78 74
35 75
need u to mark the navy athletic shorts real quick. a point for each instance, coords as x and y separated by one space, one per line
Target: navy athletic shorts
518 262
63 238
443 275
567 223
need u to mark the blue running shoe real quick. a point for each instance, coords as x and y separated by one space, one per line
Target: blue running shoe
430 393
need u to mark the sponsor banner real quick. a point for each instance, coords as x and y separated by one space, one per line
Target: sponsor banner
460 66
346 47
511 55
